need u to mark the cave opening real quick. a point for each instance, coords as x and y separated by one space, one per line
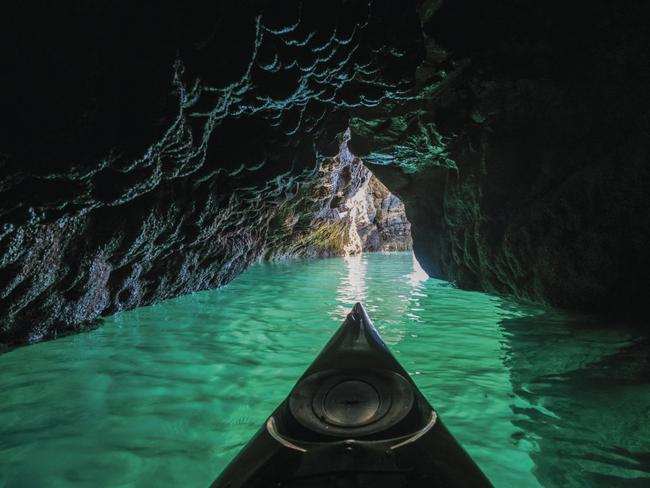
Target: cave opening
344 210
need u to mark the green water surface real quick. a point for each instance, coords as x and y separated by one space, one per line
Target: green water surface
166 395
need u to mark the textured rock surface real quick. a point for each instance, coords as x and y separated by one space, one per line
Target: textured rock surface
524 166
146 147
345 210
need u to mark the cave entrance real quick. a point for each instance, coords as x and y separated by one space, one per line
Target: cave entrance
371 217
344 211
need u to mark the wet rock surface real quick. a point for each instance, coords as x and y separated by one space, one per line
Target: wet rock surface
148 152
524 165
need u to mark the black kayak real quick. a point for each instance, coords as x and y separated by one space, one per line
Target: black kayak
354 419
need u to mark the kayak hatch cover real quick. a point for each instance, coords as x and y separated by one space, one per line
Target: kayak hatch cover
354 419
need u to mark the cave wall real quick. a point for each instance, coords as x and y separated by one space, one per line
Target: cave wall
524 165
145 147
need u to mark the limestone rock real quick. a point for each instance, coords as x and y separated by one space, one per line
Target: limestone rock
345 210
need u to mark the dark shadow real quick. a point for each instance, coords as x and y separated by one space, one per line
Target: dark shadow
583 398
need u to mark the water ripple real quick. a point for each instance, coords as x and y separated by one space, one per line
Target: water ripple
168 394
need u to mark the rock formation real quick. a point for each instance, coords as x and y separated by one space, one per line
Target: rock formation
524 165
147 150
383 225
345 210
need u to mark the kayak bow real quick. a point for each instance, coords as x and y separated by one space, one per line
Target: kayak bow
355 418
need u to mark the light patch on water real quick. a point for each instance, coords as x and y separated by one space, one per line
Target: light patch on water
352 285
418 275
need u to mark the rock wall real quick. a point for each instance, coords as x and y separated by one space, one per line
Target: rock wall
145 148
345 210
525 164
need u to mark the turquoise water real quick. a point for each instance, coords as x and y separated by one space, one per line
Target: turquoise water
166 395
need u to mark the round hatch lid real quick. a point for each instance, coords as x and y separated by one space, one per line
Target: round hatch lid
351 404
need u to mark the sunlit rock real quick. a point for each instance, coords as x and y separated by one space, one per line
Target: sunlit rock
345 210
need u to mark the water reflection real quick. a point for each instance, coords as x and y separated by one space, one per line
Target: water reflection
389 309
583 390
171 392
418 275
352 286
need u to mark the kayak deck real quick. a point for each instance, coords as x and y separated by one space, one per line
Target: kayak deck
355 418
